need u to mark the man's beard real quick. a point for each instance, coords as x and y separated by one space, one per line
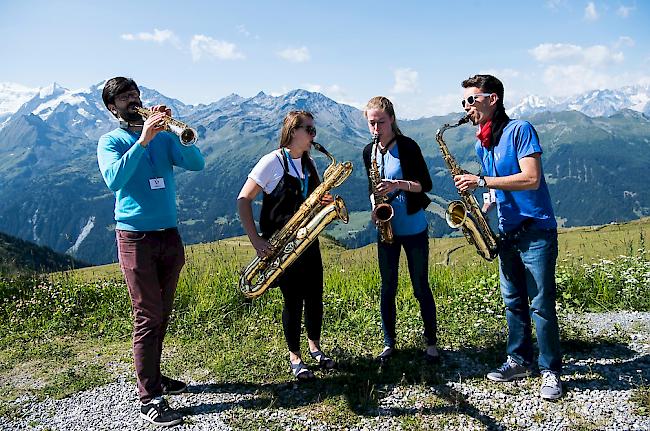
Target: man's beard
129 115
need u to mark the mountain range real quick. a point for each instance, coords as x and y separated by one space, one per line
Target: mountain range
52 193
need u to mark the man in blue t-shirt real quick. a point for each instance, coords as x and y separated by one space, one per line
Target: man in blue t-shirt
510 156
137 163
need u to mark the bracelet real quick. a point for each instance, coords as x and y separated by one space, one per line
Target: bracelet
408 183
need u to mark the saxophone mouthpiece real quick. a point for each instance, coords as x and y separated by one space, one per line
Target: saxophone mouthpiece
464 120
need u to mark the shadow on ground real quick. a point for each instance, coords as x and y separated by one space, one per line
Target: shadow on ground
363 381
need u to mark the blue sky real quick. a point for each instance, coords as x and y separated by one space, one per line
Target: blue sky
415 52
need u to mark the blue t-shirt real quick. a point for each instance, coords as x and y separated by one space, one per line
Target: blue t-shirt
519 140
127 169
403 223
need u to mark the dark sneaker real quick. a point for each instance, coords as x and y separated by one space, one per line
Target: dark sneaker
385 354
551 385
510 370
158 412
171 386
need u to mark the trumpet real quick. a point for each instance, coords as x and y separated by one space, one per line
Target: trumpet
186 134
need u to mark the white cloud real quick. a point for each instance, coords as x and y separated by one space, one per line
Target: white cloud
624 41
295 55
554 4
406 81
595 55
202 45
591 14
158 36
573 79
624 11
241 28
334 92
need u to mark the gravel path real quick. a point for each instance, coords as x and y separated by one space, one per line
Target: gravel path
599 380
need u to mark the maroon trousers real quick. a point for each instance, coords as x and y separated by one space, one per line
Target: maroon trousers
151 263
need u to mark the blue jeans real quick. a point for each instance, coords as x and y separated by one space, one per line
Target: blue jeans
527 272
417 255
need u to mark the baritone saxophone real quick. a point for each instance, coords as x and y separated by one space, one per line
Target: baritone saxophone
466 213
299 232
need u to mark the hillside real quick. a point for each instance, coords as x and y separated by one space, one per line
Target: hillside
577 245
17 255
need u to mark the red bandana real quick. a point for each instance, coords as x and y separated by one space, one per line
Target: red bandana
484 134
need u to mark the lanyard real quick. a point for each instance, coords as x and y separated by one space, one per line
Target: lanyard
304 181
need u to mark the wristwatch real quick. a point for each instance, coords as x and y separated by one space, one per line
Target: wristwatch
481 181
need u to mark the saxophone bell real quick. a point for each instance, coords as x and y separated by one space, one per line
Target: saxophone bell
384 212
456 214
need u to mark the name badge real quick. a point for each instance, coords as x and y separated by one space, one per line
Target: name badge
489 197
157 183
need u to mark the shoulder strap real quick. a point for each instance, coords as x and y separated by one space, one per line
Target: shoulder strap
283 161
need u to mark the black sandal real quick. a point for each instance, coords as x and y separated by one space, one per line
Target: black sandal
323 361
301 372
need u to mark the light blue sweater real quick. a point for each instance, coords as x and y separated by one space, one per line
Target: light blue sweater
127 168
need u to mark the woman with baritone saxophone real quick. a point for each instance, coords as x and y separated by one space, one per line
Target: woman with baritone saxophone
287 176
398 174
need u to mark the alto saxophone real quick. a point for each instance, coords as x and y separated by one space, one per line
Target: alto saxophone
299 232
466 213
186 134
383 211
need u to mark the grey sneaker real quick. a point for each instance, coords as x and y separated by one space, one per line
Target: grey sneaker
510 370
551 385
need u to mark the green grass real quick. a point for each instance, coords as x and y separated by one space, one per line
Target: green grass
64 330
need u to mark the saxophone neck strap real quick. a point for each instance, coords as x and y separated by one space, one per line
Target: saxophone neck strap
304 180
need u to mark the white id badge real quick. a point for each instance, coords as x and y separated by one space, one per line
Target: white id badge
489 197
157 183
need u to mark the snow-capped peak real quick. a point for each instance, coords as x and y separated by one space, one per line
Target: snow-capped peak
12 96
53 89
594 103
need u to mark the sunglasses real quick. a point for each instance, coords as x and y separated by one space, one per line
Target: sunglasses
472 99
309 129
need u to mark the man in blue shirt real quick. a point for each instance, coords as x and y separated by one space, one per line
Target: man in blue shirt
137 163
510 156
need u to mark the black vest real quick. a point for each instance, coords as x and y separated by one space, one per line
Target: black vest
283 202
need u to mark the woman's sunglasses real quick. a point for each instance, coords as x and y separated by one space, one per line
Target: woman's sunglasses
472 99
309 129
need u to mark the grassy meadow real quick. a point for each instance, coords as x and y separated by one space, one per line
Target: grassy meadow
67 332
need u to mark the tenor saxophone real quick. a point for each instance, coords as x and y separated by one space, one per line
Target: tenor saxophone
186 134
383 211
299 232
466 213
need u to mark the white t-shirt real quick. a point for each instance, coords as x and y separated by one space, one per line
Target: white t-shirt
268 172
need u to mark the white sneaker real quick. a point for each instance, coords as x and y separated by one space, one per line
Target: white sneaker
551 385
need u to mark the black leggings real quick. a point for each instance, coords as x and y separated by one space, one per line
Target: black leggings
302 284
